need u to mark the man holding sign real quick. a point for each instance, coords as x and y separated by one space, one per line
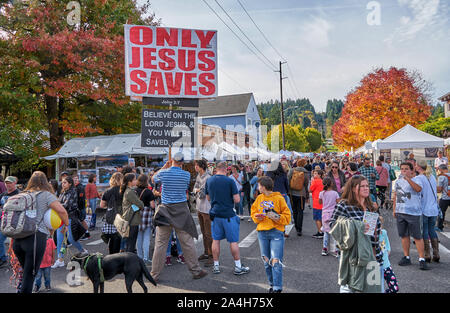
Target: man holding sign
173 213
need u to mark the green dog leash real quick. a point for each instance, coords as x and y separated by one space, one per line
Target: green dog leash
99 261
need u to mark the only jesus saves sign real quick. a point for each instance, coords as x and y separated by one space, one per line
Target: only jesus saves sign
163 128
170 62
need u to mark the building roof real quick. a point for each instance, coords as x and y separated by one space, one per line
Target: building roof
224 105
445 97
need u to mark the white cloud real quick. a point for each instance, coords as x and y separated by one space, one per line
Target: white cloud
316 33
424 14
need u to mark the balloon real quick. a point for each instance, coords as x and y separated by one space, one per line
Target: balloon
52 219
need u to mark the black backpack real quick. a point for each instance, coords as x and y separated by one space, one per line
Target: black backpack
111 211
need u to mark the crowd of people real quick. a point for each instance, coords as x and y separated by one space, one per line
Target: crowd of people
340 190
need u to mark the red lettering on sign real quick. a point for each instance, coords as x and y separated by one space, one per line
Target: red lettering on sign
137 31
135 57
186 39
174 86
189 83
156 84
164 56
184 65
204 39
209 88
141 86
149 58
209 63
162 37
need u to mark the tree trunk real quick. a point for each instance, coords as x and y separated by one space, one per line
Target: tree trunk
53 112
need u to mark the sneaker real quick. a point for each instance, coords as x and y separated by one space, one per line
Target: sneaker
241 270
299 233
404 261
202 274
168 261
277 291
318 235
58 263
148 262
249 220
48 289
423 265
270 290
36 289
216 269
83 254
324 251
336 253
181 259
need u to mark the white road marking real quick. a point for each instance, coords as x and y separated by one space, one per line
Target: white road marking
445 234
249 240
93 243
443 249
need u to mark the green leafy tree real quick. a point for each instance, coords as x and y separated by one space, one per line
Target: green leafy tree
294 137
59 80
314 138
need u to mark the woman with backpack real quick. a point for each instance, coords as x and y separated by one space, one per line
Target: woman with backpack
30 250
298 189
112 202
69 200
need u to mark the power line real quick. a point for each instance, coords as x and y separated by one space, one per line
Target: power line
240 29
214 11
267 40
273 47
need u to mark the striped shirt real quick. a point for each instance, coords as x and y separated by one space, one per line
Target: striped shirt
352 212
175 183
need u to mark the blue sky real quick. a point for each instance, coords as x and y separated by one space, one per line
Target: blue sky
329 44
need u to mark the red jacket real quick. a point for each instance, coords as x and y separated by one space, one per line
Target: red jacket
91 191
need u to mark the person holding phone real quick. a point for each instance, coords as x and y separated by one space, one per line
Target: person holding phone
271 213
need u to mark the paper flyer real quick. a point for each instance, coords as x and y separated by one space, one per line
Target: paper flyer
370 219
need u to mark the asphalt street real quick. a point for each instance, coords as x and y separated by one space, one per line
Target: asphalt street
305 271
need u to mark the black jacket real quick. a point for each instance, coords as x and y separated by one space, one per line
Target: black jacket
69 200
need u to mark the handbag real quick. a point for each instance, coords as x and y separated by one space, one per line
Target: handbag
392 175
76 228
122 225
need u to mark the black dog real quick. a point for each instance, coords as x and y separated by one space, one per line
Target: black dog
132 266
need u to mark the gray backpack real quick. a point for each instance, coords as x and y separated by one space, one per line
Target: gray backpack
19 216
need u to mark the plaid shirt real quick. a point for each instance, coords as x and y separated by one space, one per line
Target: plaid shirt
352 212
367 171
146 218
108 228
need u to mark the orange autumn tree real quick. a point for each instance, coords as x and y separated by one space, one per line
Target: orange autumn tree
384 102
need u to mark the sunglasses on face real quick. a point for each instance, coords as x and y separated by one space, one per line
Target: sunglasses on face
334 167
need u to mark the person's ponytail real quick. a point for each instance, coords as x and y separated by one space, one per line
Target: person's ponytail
126 179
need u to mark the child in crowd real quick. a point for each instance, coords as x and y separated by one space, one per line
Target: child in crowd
328 198
46 265
389 276
180 258
315 189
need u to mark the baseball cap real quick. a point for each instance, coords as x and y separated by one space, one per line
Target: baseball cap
11 179
65 173
443 167
178 157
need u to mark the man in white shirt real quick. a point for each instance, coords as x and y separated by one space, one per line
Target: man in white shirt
440 160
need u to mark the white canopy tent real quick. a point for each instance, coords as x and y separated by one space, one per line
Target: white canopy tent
409 137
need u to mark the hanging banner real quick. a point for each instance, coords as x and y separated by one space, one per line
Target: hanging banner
163 128
170 62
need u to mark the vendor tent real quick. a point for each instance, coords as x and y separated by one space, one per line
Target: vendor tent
125 144
409 137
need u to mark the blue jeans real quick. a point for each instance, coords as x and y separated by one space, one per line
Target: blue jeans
428 223
46 272
93 206
238 206
271 244
143 243
123 243
288 202
60 239
180 252
3 256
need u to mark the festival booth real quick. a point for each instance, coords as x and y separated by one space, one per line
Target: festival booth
101 155
406 140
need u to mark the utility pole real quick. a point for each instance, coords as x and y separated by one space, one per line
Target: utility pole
282 108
